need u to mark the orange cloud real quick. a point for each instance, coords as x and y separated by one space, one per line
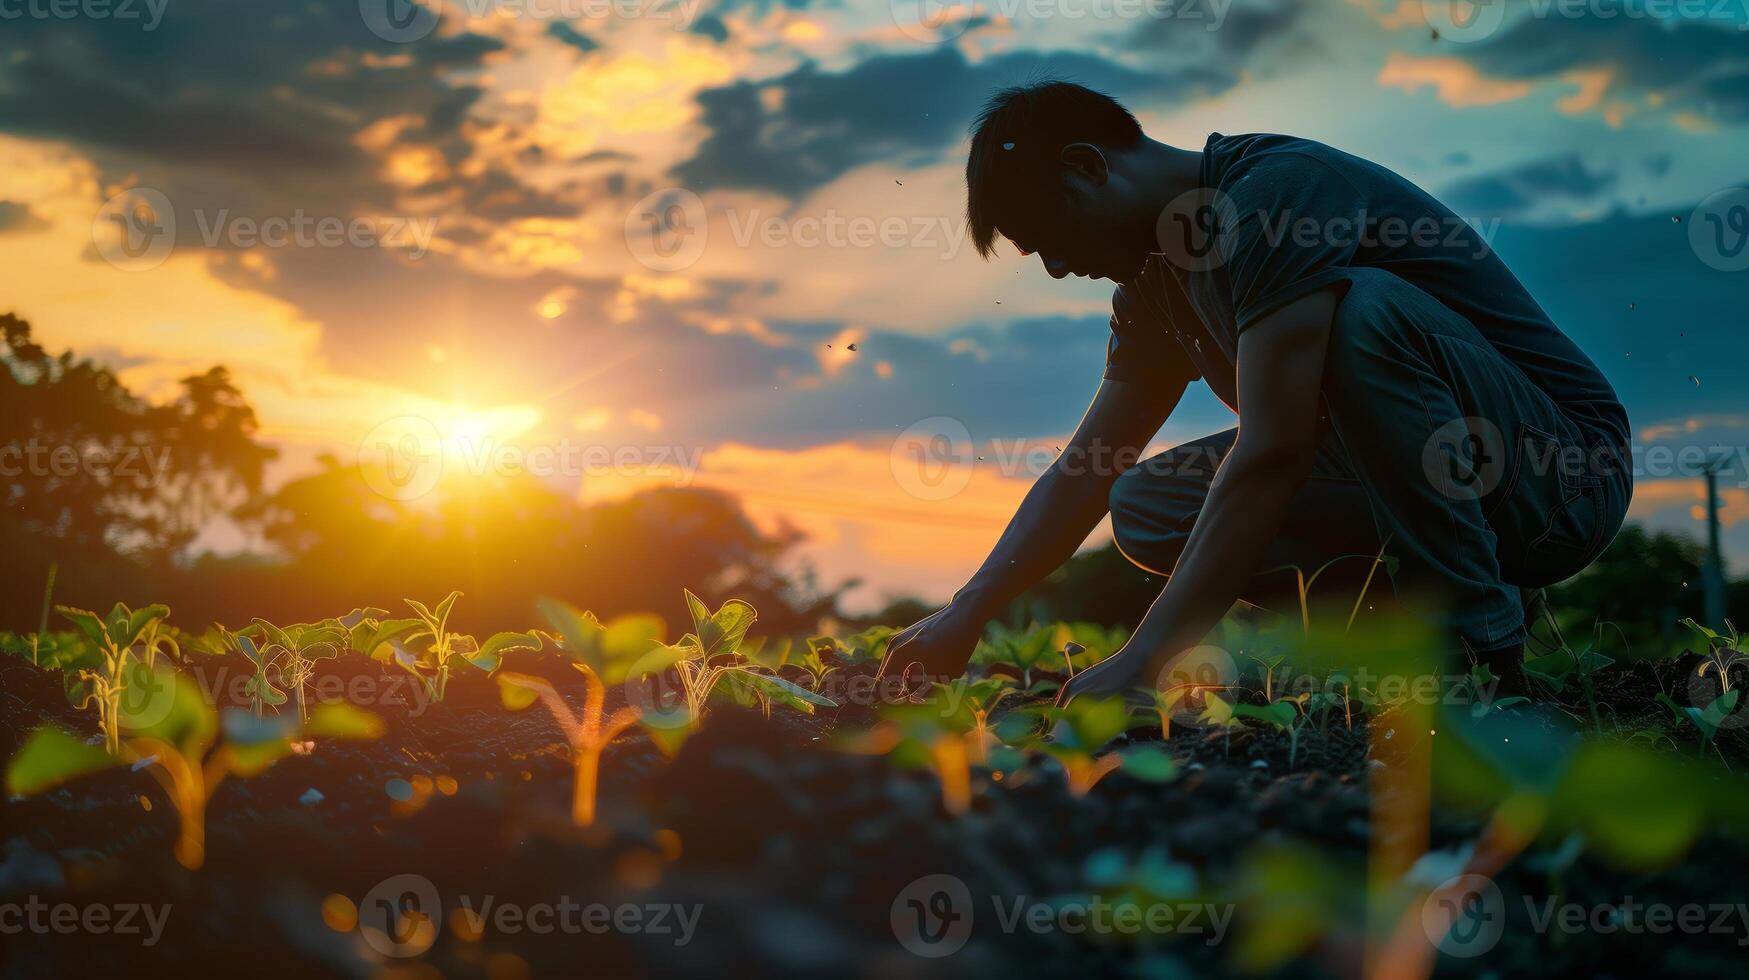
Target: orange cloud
1457 82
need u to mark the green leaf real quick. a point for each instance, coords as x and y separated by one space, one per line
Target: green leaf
51 757
579 629
159 703
343 720
518 691
1280 713
1088 723
142 619
1722 706
1216 711
631 636
792 694
1150 765
721 632
377 636
87 623
446 605
490 656
247 644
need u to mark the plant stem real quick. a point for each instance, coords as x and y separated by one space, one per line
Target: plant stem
955 775
588 761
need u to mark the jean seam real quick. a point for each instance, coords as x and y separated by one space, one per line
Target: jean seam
1451 514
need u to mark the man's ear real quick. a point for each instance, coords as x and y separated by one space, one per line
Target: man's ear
1086 160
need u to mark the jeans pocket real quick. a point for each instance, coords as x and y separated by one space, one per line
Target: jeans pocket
1551 520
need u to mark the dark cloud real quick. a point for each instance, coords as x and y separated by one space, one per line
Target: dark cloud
804 129
711 26
1512 192
1701 65
15 216
570 35
226 107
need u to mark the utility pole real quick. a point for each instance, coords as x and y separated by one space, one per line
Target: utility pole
1713 576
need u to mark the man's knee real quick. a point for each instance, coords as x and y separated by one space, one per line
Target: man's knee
1150 515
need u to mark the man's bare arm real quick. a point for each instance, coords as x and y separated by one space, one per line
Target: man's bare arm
1058 513
1280 374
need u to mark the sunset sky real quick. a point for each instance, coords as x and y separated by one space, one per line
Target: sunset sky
497 166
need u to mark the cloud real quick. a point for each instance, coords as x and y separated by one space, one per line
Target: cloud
1622 61
800 131
1458 83
16 217
1528 187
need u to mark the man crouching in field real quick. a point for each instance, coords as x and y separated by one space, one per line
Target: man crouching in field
1396 387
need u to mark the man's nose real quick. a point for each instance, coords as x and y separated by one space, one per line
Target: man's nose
1056 267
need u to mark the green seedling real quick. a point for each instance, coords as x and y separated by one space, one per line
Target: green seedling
169 730
294 651
442 648
114 638
604 655
979 699
1706 720
259 687
1282 716
1083 727
711 654
1723 651
940 734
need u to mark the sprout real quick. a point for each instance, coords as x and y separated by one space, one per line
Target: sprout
169 730
114 638
603 655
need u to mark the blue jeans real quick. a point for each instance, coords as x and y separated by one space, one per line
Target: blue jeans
1432 441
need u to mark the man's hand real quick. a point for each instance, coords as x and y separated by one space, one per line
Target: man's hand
934 648
1115 675
1280 372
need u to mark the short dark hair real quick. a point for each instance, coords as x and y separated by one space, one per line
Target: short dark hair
1017 140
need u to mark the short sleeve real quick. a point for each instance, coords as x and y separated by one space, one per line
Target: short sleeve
1293 226
1142 348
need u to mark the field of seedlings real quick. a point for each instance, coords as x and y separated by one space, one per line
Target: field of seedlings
378 794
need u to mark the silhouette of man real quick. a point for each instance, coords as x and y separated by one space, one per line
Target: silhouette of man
1396 386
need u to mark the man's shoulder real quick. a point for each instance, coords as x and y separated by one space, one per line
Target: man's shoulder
1231 158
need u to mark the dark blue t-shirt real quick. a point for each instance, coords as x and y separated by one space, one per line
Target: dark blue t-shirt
1290 217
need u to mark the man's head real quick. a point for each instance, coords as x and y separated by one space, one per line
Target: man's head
1053 169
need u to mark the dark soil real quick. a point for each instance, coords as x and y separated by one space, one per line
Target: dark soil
793 852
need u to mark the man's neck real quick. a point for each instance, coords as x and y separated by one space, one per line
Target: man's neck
1166 172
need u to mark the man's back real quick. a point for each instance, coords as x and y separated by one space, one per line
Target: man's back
1290 215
